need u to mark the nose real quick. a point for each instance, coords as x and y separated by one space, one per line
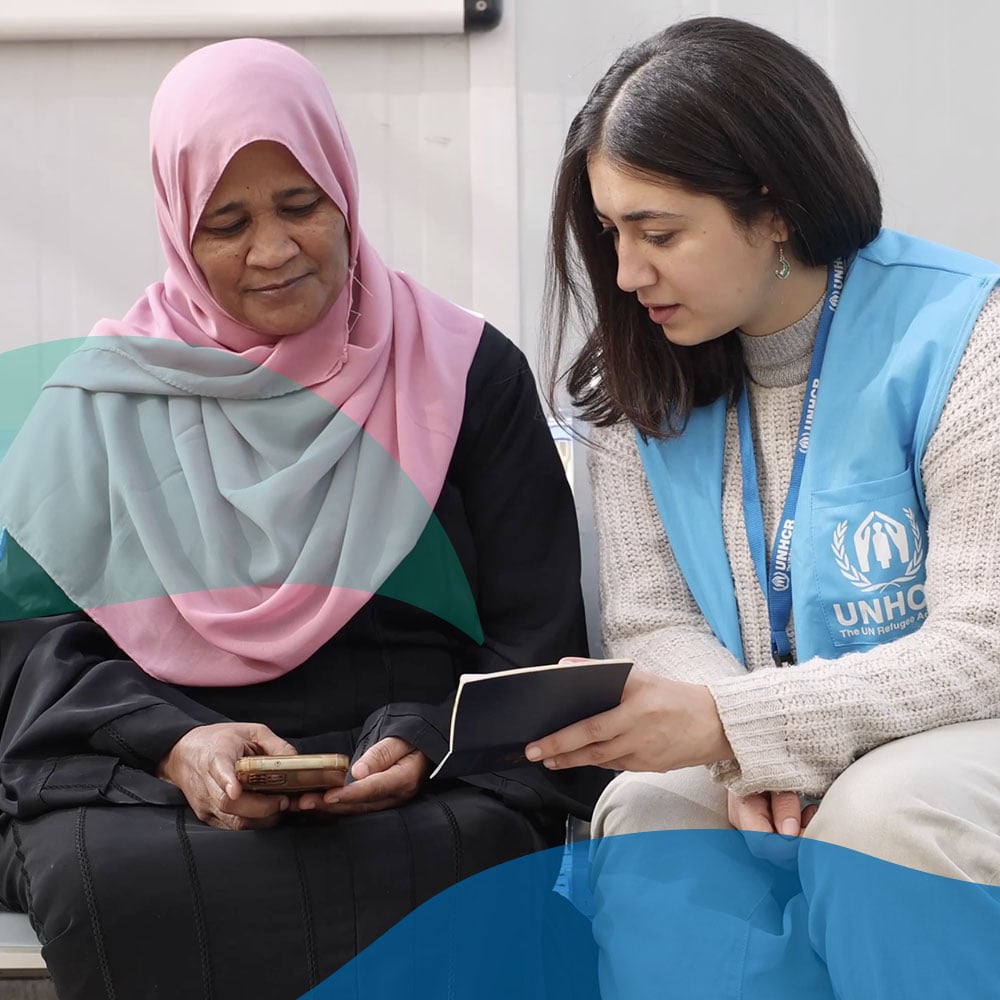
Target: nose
634 271
272 245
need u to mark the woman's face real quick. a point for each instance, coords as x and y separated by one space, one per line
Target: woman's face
271 244
698 272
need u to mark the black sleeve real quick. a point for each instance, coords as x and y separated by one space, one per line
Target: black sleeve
82 723
529 788
521 514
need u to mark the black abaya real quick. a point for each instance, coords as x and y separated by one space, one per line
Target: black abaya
133 897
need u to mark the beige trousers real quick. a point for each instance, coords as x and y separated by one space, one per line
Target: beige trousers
930 802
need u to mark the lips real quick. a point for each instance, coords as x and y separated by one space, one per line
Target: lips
662 314
279 286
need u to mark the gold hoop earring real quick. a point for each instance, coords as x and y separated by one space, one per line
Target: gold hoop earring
784 269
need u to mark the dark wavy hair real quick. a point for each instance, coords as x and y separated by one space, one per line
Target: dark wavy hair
723 108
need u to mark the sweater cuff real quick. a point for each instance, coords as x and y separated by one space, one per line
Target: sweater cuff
755 718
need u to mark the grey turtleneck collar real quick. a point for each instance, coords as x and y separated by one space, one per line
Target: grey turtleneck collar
781 360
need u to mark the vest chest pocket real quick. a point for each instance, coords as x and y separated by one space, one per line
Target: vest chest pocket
868 552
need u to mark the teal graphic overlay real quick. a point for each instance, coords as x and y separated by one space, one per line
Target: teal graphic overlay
23 372
403 553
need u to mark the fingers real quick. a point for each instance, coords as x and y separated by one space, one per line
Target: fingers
401 778
558 749
380 757
202 765
254 806
770 812
614 754
227 822
270 744
389 774
659 725
222 774
215 797
751 812
386 789
372 788
786 811
357 808
221 753
212 806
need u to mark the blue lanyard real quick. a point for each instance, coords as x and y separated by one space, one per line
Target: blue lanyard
777 585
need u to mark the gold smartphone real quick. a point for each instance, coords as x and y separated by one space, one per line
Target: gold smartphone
308 772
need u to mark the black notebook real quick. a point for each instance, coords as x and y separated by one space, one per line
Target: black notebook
496 715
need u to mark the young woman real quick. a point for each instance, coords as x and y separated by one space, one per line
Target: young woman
797 493
280 507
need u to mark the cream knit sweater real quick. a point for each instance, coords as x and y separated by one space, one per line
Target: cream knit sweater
798 727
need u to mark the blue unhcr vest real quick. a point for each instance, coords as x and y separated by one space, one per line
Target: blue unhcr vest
859 549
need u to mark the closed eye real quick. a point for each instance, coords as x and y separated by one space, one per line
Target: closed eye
231 230
658 239
300 211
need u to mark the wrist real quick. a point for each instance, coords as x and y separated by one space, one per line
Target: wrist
167 767
714 742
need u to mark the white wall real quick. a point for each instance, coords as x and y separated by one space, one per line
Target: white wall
77 232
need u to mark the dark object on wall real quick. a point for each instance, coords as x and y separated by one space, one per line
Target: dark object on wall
481 15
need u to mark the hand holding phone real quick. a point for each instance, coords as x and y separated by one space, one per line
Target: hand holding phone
292 774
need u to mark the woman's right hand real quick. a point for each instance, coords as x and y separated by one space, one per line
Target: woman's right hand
202 765
660 725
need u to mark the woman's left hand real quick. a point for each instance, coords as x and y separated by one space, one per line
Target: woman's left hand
659 725
387 775
770 812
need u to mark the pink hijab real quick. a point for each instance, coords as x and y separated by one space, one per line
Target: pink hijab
390 354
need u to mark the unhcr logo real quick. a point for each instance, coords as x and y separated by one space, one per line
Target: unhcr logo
884 541
810 413
882 616
782 561
888 556
838 284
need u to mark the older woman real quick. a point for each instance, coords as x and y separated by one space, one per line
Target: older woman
279 507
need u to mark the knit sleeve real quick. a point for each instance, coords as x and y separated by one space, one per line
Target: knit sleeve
798 728
648 613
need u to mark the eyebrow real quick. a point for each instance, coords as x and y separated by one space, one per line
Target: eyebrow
644 215
235 206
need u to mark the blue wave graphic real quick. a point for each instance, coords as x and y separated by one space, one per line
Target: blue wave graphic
693 915
501 933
